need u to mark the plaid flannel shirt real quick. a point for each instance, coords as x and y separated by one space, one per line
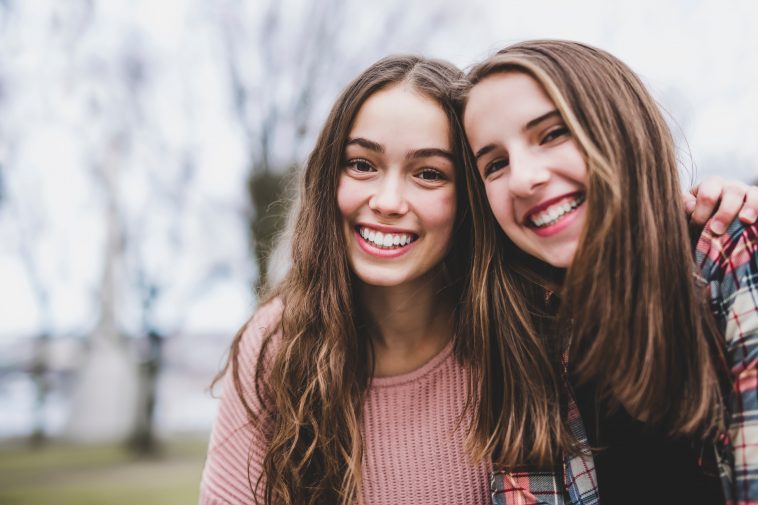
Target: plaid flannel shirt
729 267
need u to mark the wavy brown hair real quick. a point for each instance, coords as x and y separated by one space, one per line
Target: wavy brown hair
638 325
312 382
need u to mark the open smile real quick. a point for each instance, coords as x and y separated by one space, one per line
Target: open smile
385 240
553 212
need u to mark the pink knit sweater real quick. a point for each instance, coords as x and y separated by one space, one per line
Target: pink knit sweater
413 452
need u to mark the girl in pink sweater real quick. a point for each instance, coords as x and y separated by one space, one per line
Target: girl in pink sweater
352 383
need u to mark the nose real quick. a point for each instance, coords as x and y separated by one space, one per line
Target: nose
388 197
528 173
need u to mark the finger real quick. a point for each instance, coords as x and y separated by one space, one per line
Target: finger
689 200
713 184
731 202
708 196
749 212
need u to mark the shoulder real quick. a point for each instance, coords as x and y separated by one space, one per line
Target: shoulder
260 330
254 350
266 322
268 315
238 441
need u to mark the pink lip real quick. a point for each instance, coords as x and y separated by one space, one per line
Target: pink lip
371 249
385 229
563 223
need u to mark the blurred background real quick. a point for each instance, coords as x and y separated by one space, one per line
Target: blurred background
145 149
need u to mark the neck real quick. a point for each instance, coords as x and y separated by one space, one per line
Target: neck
546 275
411 323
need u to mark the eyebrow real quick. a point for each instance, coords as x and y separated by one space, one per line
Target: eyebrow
529 125
429 152
484 150
365 143
534 122
418 153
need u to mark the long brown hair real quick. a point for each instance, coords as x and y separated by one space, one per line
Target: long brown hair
313 379
638 325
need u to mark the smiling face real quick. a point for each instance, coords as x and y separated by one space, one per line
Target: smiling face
397 191
534 173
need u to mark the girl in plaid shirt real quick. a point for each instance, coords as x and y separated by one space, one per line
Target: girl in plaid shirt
627 367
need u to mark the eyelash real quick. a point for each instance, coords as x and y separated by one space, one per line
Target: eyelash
551 135
555 133
354 163
439 176
495 165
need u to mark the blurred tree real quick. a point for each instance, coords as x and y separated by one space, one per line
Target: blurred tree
105 396
143 438
144 183
89 71
96 65
31 253
135 232
32 223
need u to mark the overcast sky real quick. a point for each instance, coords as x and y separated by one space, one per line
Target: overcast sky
699 59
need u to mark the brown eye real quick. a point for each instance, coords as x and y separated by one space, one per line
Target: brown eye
555 133
360 165
495 165
431 174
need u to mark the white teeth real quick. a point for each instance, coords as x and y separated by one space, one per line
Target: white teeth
550 215
385 240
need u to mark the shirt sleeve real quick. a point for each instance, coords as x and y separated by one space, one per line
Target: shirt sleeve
237 447
729 265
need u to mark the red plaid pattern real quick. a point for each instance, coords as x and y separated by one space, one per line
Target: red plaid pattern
729 265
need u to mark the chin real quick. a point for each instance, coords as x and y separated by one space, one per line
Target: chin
379 279
561 259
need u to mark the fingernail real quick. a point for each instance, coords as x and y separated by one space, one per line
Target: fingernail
748 215
717 227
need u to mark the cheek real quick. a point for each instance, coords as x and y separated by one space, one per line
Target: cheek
577 163
348 196
439 212
499 201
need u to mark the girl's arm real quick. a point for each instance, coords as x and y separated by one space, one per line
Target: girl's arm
729 265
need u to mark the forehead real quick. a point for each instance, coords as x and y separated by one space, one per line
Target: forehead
503 96
507 89
400 115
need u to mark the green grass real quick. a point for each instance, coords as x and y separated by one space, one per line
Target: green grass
100 474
